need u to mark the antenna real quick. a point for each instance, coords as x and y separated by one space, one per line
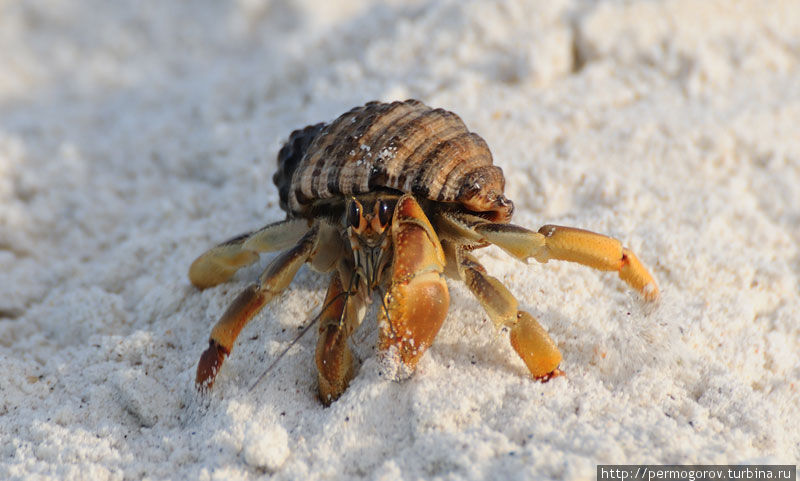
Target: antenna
296 339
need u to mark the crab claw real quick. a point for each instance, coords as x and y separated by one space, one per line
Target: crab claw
417 300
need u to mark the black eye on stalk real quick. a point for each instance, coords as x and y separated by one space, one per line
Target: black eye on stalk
354 213
384 214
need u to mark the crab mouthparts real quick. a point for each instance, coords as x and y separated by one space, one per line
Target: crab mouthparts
371 265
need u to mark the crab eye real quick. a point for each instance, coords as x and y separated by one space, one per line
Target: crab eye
384 214
354 213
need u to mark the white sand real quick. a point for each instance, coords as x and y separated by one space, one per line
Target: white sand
134 135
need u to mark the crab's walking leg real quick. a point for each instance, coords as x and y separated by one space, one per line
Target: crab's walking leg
417 300
561 243
576 245
528 337
275 278
336 323
219 263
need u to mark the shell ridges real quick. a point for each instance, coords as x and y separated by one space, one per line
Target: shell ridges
405 146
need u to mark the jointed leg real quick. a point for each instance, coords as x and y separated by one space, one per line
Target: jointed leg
219 263
528 337
337 322
275 278
560 243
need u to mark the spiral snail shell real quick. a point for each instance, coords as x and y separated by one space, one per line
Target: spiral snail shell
401 146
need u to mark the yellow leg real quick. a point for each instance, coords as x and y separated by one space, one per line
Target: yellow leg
333 356
219 263
560 243
275 278
527 336
537 350
598 251
417 300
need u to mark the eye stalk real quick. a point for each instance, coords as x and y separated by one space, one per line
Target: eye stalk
354 213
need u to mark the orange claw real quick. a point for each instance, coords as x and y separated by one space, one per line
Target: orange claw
416 311
418 299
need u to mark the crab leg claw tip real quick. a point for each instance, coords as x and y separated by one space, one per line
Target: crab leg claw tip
209 365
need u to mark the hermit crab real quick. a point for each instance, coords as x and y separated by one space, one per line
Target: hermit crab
391 198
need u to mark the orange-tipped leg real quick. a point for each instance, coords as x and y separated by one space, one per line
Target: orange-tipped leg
527 336
275 278
556 242
225 332
596 250
417 300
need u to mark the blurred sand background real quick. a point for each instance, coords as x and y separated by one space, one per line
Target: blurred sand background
134 135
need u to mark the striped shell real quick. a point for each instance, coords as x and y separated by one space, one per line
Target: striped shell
401 146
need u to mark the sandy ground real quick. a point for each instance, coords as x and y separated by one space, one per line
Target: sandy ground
135 135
